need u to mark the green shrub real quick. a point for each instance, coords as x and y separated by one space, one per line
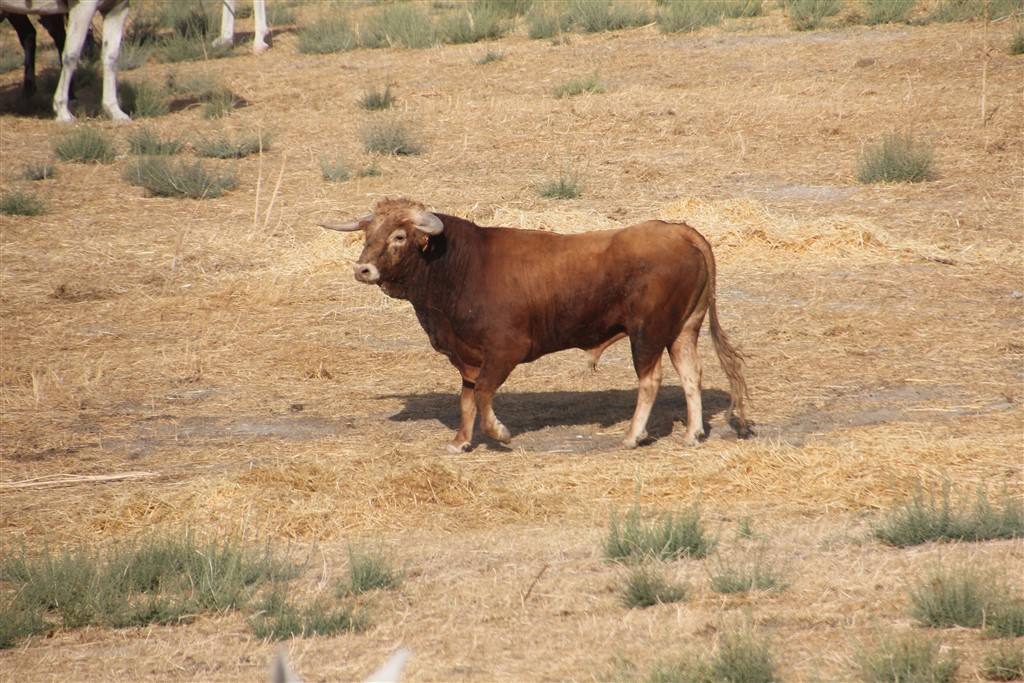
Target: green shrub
508 8
42 170
966 10
544 20
85 146
224 147
669 537
164 179
390 137
219 103
329 34
370 171
741 577
189 47
367 572
805 15
490 56
898 158
280 14
133 54
18 622
578 86
646 586
376 100
334 170
593 16
18 203
278 619
1005 664
922 520
958 597
145 142
740 658
191 19
907 659
566 187
735 9
886 11
142 99
678 16
1006 619
1016 46
472 24
399 25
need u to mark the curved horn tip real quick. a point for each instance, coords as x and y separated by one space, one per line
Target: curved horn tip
351 226
429 223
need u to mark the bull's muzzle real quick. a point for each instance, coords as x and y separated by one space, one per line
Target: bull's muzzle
366 272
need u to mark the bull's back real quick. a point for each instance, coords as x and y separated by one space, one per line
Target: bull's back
578 290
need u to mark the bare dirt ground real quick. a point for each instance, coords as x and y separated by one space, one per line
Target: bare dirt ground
213 364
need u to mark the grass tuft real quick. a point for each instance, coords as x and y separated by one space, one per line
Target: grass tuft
1005 664
224 147
367 572
85 146
42 170
390 137
145 142
164 179
18 203
398 25
473 23
593 16
18 622
133 54
278 619
898 158
219 103
566 187
922 520
377 100
887 11
1016 46
947 598
371 171
545 20
334 170
188 47
736 9
740 658
578 86
805 15
142 99
646 586
329 34
678 16
740 577
907 659
1006 619
669 537
967 10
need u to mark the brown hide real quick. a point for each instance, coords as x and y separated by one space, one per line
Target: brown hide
491 298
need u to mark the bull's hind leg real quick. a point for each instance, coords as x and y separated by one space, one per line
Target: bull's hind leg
686 361
647 364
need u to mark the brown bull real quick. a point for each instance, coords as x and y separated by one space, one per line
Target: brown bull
492 298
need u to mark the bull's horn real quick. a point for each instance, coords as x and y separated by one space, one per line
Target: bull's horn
429 223
350 226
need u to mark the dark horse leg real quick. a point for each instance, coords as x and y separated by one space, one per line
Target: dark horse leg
27 37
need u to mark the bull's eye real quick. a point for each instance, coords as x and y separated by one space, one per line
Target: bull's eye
398 238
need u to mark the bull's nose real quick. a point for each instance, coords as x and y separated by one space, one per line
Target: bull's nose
366 272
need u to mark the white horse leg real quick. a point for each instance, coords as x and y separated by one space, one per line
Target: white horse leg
227 24
79 18
259 42
113 31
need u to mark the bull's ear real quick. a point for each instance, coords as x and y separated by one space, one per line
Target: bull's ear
428 223
351 226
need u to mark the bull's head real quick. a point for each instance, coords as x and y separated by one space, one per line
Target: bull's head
394 240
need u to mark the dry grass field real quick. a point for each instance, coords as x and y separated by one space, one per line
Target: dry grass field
172 364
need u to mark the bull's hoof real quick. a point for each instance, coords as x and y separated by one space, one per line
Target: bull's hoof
500 433
633 442
692 440
456 447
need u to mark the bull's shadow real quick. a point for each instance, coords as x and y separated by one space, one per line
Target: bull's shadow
527 411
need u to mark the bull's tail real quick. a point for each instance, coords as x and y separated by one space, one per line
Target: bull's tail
729 357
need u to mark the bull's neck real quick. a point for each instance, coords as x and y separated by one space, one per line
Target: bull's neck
447 266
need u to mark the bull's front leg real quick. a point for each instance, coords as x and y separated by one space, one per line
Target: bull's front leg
467 408
493 373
